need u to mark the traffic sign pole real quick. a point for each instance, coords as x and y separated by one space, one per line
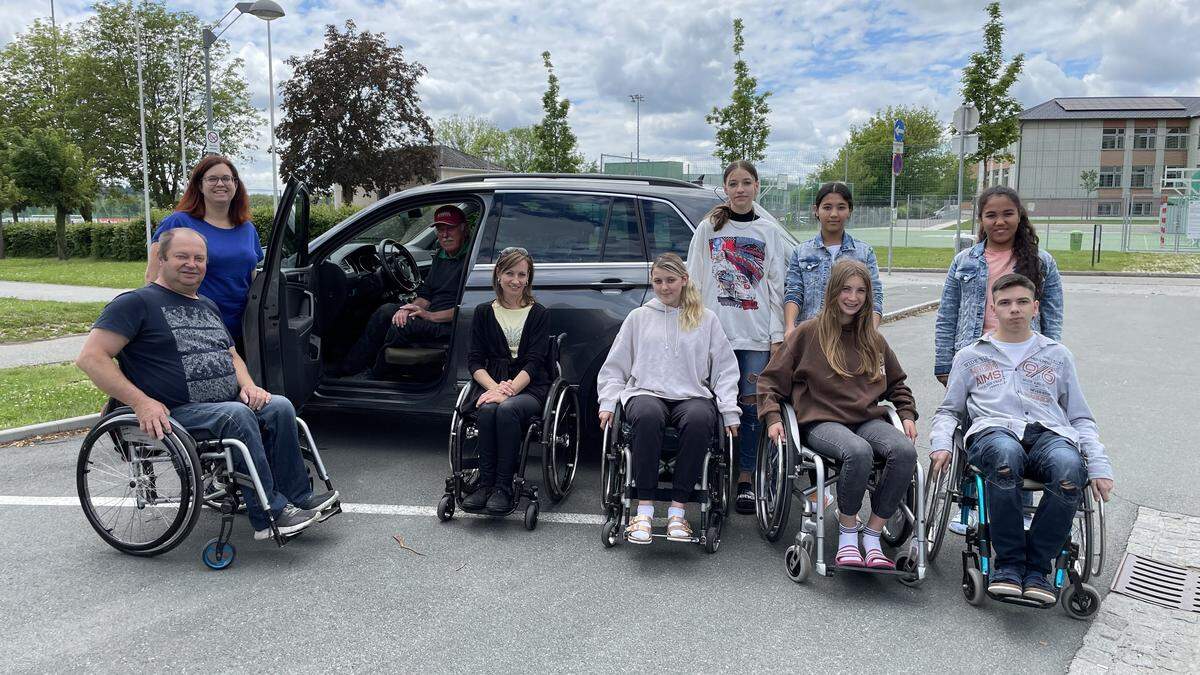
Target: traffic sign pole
897 166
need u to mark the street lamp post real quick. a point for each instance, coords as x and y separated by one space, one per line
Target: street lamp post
268 11
637 103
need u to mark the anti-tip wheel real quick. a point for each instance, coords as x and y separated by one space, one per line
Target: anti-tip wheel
445 508
218 559
798 563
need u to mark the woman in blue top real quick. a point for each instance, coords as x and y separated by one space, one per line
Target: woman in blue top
216 205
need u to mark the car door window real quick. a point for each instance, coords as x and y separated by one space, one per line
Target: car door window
665 230
554 227
623 241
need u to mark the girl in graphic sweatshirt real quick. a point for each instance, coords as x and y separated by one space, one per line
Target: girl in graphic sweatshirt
738 259
668 362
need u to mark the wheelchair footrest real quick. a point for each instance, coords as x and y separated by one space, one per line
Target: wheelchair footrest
1024 602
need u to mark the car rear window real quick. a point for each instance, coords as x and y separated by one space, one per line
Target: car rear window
569 228
665 230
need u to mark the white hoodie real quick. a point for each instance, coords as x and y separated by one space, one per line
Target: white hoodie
741 272
653 355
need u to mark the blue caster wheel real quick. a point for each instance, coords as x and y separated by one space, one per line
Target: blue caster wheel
218 560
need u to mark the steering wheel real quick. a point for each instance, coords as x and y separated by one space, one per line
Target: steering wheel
398 265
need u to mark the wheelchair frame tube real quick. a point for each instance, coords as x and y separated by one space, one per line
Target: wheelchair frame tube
252 472
985 546
312 446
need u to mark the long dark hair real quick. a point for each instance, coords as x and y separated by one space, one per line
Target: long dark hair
1026 261
833 187
192 201
723 212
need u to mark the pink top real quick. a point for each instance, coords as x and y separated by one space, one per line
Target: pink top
999 263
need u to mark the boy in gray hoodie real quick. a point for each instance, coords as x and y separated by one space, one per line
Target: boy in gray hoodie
1028 419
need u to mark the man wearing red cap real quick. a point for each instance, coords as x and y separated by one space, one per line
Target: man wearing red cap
427 318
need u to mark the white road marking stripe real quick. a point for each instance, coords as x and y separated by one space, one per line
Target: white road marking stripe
374 509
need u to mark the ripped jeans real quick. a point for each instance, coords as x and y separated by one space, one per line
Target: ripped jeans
1043 456
750 364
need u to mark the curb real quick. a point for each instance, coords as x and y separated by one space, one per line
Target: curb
1070 273
68 424
914 310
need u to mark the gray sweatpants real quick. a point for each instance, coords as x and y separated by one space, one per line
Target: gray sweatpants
856 446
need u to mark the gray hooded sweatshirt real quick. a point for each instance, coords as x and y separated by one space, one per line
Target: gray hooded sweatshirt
653 356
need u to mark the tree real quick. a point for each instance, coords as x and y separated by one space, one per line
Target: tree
472 135
986 81
519 151
742 126
349 107
557 149
52 171
929 167
1088 181
10 196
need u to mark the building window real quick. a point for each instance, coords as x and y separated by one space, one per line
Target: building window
1141 209
1112 139
1176 138
1108 208
1143 139
1141 177
1110 177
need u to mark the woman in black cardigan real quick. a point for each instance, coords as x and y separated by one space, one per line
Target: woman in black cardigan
507 358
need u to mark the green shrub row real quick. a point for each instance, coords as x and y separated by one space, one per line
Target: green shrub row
126 240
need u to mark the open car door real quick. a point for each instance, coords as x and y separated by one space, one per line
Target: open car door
283 352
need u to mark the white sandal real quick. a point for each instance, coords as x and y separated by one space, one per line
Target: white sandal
678 529
639 530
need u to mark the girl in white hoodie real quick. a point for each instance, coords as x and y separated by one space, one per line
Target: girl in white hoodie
669 360
738 259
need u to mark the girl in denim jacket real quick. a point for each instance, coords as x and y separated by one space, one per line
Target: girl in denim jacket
1007 243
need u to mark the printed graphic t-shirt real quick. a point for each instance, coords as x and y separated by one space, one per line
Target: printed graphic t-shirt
178 349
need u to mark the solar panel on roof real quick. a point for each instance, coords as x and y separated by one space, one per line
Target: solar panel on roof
1120 103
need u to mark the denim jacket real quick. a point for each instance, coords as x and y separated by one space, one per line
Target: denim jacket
809 268
964 296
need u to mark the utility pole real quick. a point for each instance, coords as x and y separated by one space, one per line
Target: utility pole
637 103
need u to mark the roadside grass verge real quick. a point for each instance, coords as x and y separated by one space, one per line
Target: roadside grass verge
75 272
33 394
26 320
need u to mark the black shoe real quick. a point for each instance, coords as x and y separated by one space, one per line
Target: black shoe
1038 589
478 500
500 503
745 499
1005 582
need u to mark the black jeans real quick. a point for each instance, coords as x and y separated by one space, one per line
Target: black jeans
380 333
856 446
694 418
501 430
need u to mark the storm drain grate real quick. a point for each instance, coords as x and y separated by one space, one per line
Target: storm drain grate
1158 583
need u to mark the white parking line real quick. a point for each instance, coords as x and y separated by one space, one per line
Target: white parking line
374 509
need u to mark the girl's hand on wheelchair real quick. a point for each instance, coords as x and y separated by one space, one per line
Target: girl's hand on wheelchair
153 417
732 429
775 431
938 459
910 430
605 419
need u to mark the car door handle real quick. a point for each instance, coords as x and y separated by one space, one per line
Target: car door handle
613 284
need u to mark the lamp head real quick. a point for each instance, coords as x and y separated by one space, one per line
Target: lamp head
267 10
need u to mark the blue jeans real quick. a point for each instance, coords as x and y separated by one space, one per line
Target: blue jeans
750 364
1042 456
272 438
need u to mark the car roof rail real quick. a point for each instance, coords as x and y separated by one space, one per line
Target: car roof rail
647 180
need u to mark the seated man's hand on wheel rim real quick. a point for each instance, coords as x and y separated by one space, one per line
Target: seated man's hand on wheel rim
1102 488
605 419
775 431
153 417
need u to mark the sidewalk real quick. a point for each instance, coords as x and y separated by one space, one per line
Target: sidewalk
43 351
24 290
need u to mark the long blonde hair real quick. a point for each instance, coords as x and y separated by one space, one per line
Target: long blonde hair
691 305
510 258
867 341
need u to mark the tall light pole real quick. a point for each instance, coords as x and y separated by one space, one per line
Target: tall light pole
266 10
637 106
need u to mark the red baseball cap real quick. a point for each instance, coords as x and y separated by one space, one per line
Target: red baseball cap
448 215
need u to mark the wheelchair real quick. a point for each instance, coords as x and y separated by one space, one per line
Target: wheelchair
143 495
778 478
713 492
961 488
557 430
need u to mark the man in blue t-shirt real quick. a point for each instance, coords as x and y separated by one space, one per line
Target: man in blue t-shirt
175 357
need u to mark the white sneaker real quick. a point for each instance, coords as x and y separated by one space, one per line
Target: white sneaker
958 527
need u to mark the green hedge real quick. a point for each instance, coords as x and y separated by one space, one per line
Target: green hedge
126 240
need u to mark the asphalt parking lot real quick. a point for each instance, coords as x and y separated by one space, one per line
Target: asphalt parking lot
480 594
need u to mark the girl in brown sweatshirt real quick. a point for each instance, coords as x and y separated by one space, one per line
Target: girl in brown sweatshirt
834 369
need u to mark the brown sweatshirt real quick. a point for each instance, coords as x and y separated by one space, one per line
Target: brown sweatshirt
800 371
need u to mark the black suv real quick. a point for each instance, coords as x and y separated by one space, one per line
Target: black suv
592 238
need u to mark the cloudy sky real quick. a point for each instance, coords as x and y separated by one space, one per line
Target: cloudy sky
828 64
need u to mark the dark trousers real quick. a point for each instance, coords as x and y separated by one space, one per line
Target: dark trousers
1043 456
856 446
501 430
381 332
694 418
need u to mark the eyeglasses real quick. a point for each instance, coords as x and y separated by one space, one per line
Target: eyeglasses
213 180
510 249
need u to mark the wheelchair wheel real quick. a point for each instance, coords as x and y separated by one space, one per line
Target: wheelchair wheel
464 451
899 527
798 563
1082 538
445 507
612 475
531 515
773 484
218 556
611 533
712 533
561 434
1081 601
938 505
973 587
907 562
140 494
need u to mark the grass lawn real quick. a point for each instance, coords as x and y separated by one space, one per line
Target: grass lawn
1110 261
75 272
35 394
25 320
